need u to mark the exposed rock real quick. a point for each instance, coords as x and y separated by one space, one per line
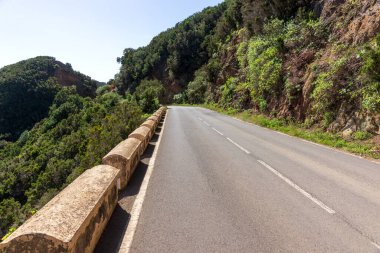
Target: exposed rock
347 133
351 21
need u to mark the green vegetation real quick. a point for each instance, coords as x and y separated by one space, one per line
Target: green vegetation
260 78
173 55
74 137
273 58
197 88
27 90
274 63
371 73
357 145
149 95
264 68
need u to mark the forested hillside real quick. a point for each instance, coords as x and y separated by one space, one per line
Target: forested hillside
316 63
74 137
27 90
67 121
313 62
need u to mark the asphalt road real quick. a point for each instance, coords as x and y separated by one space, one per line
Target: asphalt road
221 185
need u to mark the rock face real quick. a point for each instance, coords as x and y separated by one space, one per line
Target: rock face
353 21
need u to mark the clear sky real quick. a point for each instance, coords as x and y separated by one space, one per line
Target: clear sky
89 34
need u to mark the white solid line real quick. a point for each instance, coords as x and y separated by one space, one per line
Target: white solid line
237 145
126 244
218 131
376 245
299 189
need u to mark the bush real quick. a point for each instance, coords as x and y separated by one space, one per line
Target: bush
371 73
241 54
361 135
149 95
264 69
9 213
227 90
196 89
179 98
305 31
327 88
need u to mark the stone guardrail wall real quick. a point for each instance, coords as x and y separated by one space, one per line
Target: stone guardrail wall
74 220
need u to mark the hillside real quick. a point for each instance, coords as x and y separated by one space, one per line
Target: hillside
74 137
313 62
310 63
27 90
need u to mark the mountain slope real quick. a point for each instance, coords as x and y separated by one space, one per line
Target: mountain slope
314 62
27 90
74 137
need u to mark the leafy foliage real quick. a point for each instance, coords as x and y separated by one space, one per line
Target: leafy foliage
74 137
371 72
264 66
27 90
172 56
197 88
149 95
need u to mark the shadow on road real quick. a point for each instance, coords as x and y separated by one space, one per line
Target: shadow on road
113 234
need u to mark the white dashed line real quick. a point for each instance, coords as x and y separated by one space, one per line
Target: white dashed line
207 124
237 145
218 131
299 189
376 245
304 140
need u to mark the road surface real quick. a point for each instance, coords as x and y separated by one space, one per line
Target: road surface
222 185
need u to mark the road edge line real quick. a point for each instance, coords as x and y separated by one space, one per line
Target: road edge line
126 244
301 139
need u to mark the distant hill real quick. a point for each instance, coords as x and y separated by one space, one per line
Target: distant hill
27 90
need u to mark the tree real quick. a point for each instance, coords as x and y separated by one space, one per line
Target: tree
149 95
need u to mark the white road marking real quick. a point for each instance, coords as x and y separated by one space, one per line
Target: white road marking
200 119
237 145
207 124
304 140
126 244
299 189
218 131
376 245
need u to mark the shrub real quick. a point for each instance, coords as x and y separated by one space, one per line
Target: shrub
264 66
196 89
9 213
149 95
241 54
361 135
227 90
371 73
327 89
179 98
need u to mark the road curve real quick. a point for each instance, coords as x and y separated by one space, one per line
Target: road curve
221 185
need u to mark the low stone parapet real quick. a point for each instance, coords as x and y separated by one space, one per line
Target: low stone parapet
72 221
125 157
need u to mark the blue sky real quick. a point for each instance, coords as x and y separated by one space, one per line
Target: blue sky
89 34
